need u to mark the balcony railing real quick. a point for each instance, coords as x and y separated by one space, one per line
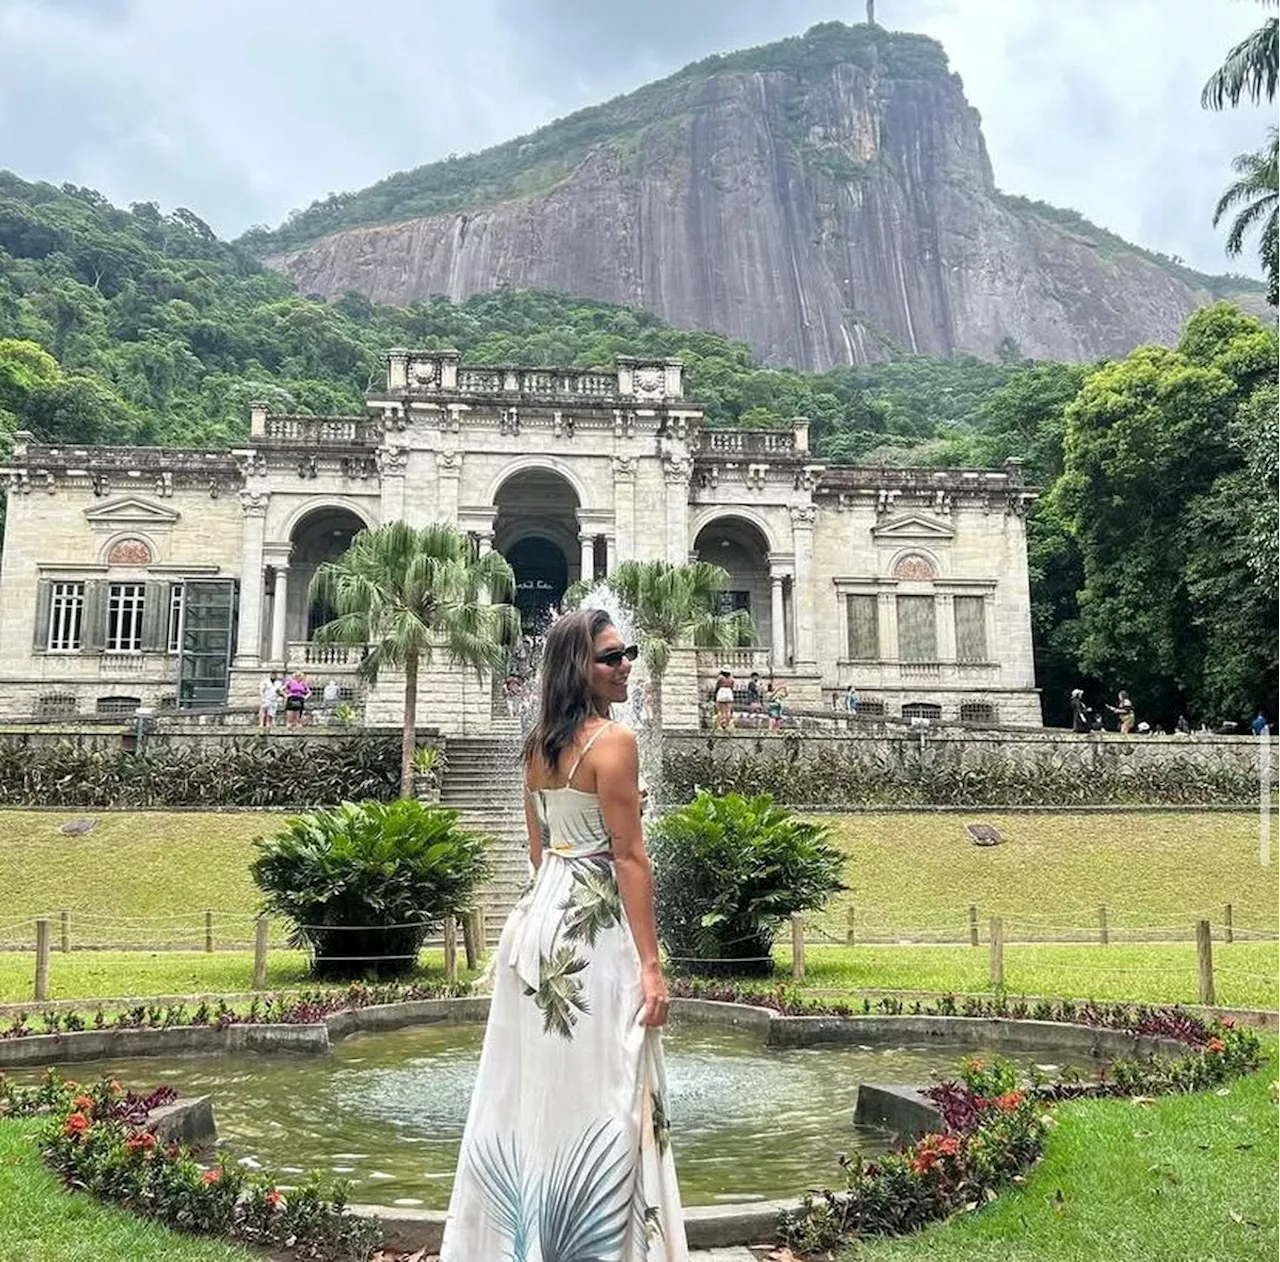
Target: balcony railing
537 383
740 661
338 658
747 442
321 431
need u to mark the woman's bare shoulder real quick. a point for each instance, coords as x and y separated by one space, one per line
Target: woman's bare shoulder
617 740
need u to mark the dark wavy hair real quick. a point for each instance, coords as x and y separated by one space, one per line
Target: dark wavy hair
564 692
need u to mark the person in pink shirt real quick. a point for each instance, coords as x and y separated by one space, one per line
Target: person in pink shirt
296 692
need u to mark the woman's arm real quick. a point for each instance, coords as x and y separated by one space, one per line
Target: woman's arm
617 773
533 825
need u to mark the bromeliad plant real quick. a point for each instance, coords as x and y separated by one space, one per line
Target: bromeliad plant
362 884
727 872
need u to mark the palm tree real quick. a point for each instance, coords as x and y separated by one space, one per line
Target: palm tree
673 605
1254 198
401 593
1249 70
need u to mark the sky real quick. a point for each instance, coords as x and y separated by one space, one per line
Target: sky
243 110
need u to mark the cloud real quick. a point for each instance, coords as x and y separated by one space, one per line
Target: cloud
245 110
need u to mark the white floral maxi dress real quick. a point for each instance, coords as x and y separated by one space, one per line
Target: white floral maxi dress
566 1154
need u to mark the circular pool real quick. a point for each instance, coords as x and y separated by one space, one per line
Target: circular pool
386 1110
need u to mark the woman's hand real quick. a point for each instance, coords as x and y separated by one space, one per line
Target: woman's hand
656 1002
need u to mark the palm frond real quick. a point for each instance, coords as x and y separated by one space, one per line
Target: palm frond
585 1204
1248 71
506 1188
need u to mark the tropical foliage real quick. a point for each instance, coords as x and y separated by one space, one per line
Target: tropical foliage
1249 71
362 884
727 872
671 606
400 593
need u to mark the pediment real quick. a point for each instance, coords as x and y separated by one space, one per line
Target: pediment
914 528
130 510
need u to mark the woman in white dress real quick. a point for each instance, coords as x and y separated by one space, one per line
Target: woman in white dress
566 1154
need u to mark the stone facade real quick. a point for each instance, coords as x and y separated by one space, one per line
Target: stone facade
909 583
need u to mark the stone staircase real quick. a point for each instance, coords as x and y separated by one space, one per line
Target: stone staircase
482 781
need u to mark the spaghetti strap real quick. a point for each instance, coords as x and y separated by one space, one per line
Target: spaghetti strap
586 749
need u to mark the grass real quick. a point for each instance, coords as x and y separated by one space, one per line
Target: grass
1051 873
39 1222
1179 1177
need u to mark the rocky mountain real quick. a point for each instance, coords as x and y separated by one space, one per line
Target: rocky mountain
828 200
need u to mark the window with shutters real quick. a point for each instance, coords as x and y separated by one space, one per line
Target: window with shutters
864 627
125 605
66 617
173 640
917 629
971 628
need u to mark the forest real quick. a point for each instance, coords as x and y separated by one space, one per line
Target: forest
1152 547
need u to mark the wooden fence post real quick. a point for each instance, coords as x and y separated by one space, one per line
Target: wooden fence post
797 947
997 952
66 930
469 939
1103 936
450 950
1204 956
1228 931
208 930
849 935
260 953
42 958
973 924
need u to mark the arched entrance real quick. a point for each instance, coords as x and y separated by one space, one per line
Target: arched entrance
738 547
536 529
322 535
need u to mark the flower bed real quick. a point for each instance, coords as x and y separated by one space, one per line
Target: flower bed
101 1139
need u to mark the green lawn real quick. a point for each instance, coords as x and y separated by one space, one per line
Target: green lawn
1181 1177
39 1222
147 877
916 875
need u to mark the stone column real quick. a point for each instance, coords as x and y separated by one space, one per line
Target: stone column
887 611
778 622
610 553
588 559
802 522
624 501
279 610
448 471
945 618
249 626
677 469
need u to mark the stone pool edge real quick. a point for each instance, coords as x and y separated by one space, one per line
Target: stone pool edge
898 1108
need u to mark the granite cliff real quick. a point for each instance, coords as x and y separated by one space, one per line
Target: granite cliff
828 200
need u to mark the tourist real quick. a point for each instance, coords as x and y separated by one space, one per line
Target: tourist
512 689
1124 708
1080 712
724 699
1182 726
296 692
773 703
755 695
1260 726
851 702
571 1073
268 700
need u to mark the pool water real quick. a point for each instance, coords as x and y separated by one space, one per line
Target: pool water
386 1110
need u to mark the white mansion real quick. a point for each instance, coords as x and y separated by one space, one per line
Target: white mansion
138 576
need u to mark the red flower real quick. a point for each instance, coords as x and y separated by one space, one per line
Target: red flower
75 1126
1216 1045
82 1102
1008 1103
949 1146
142 1141
211 1176
924 1160
274 1198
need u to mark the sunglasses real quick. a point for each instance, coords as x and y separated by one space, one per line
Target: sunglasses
614 656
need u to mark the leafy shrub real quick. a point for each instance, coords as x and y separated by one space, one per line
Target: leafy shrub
728 871
363 883
258 771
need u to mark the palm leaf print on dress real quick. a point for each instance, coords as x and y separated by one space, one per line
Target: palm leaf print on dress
593 904
559 992
507 1199
584 1207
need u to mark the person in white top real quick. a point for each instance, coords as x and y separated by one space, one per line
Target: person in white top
268 699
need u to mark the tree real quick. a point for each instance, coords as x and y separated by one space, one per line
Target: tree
1249 70
1254 198
672 606
401 593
